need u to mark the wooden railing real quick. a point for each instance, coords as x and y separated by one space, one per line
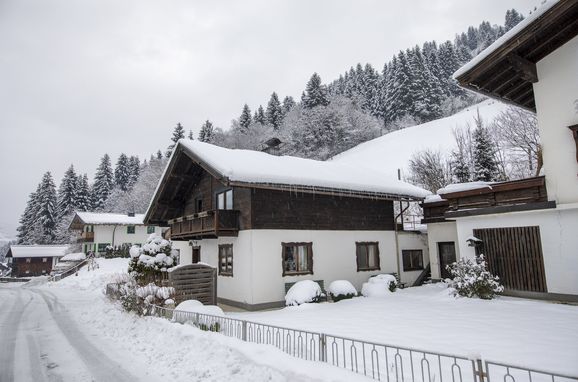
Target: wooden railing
208 224
86 237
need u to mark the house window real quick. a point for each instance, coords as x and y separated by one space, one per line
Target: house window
297 259
226 259
367 256
102 247
44 259
225 200
28 260
150 229
130 229
412 259
198 205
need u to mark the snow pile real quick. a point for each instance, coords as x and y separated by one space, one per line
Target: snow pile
79 256
379 286
194 306
459 187
341 289
433 198
302 292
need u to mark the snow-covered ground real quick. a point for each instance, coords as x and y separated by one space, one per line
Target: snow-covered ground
69 331
534 334
393 151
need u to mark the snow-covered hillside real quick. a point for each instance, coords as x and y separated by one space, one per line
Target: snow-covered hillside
393 151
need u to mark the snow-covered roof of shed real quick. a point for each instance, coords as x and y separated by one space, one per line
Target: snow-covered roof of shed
38 250
258 168
467 186
105 218
509 35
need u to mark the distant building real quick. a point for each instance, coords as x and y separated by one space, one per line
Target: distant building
34 260
99 230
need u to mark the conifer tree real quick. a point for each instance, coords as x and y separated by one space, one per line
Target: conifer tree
399 101
288 104
259 116
46 203
245 119
134 170
274 112
67 193
159 154
28 220
122 173
460 167
206 134
315 93
484 160
191 137
103 183
83 200
178 133
512 19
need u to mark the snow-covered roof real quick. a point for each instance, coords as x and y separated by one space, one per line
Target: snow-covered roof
105 218
459 187
259 168
509 35
37 250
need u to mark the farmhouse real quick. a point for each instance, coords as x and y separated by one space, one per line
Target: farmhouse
101 230
266 220
34 260
526 229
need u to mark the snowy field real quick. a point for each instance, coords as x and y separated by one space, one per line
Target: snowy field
534 334
69 331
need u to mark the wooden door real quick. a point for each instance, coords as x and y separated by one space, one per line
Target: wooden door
515 255
196 254
447 255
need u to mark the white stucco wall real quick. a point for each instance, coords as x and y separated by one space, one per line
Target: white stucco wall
556 95
558 228
412 240
257 262
105 234
436 233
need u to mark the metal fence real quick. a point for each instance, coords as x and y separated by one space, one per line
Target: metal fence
378 361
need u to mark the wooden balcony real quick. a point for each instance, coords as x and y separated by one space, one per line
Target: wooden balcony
85 237
512 196
207 224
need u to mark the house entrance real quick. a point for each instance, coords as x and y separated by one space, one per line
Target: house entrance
196 254
447 255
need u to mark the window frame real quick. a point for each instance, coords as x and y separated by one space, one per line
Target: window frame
149 231
360 244
411 267
224 194
309 246
45 259
104 245
225 271
130 228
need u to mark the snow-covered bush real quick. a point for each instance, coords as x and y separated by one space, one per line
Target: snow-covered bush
303 292
471 279
149 262
341 290
135 298
379 286
117 251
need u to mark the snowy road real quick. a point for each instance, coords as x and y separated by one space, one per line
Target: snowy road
41 342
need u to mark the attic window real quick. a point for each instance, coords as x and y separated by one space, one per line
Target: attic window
574 129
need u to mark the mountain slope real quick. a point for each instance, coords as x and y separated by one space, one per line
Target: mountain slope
393 151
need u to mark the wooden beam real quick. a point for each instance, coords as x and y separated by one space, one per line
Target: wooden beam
574 129
526 69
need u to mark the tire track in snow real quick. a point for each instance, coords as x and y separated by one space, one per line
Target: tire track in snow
101 367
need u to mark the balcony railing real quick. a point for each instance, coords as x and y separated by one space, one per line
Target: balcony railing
86 237
207 224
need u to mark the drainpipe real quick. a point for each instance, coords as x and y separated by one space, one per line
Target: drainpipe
113 231
397 245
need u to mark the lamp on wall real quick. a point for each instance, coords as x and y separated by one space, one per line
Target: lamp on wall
473 241
193 243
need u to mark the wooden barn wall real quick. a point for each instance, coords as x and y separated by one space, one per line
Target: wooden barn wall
272 209
36 266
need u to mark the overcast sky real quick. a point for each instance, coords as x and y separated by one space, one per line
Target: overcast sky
86 77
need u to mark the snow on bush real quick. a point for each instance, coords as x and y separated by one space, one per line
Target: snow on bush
73 257
149 261
303 292
471 279
379 286
341 290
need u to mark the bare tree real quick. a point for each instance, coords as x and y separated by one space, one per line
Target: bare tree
516 131
430 170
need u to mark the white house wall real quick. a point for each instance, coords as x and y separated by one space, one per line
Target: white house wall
257 261
556 95
559 240
412 240
436 233
103 234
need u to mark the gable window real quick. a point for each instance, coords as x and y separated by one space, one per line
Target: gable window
44 259
150 229
412 259
367 256
130 229
225 200
226 259
297 259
